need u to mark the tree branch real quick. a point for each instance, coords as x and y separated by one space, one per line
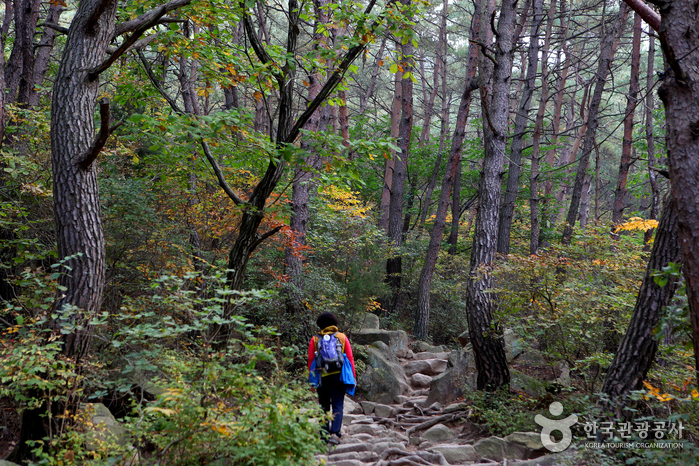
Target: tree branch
55 27
219 175
139 45
264 236
154 80
646 13
139 26
207 150
150 17
102 136
336 77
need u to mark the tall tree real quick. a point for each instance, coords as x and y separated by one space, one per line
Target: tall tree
650 137
626 147
485 337
301 188
608 45
521 122
453 165
635 355
400 167
536 138
680 94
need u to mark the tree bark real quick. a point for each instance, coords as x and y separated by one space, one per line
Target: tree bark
608 45
650 138
395 216
448 182
535 225
391 162
635 355
626 147
680 94
301 189
43 53
521 121
440 64
486 339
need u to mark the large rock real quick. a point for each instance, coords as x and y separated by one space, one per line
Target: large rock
524 383
396 340
439 433
7 463
369 321
350 407
458 379
457 454
524 446
384 378
425 366
424 347
101 427
513 345
492 448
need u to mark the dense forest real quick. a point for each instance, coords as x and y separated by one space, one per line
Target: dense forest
186 185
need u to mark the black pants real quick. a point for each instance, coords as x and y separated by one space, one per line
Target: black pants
332 392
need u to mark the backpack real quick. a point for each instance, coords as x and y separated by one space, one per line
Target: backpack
329 355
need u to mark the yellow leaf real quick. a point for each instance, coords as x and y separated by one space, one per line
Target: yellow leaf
695 393
165 411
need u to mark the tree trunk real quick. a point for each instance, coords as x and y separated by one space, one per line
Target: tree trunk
301 189
391 162
440 64
43 53
535 226
610 40
650 139
395 216
637 350
521 121
374 74
448 182
626 147
486 339
680 94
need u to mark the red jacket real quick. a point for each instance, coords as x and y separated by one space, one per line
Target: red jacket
341 337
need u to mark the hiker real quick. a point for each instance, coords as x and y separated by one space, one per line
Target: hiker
331 367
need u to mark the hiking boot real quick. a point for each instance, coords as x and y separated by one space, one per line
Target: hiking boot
334 439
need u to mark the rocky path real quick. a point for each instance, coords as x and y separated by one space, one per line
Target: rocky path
409 432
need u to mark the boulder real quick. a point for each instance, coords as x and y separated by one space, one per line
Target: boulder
101 427
7 463
513 345
421 380
428 355
422 346
492 448
383 410
368 407
457 454
524 446
438 433
384 378
463 339
563 374
532 358
425 366
396 340
524 383
458 379
369 321
350 407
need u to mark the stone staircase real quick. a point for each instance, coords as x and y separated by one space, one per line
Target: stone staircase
409 432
